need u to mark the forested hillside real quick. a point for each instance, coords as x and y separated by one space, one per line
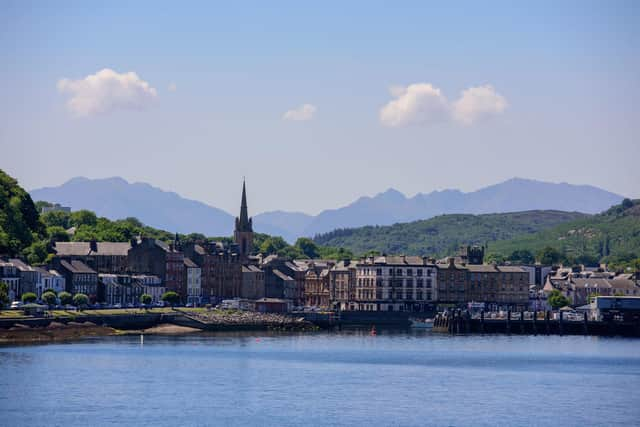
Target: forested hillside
442 235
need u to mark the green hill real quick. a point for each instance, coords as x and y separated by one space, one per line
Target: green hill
442 235
612 236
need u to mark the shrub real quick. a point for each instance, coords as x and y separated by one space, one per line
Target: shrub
28 297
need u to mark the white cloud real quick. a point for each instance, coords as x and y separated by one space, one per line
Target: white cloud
172 87
477 103
303 112
417 103
107 91
422 103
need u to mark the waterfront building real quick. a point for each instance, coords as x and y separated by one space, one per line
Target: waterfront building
29 276
103 257
342 285
9 275
253 285
221 270
79 278
50 279
151 285
155 257
395 283
496 286
193 280
579 290
316 286
293 269
120 289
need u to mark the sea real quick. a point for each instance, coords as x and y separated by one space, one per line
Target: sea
347 378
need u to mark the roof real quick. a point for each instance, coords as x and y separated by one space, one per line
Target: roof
84 248
20 265
281 275
250 269
76 266
190 264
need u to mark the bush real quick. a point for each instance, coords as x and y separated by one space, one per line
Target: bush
557 300
80 300
146 299
65 298
49 298
171 297
29 297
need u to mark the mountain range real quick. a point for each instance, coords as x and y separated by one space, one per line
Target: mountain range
116 198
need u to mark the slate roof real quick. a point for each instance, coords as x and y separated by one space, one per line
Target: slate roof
84 248
76 266
190 264
281 275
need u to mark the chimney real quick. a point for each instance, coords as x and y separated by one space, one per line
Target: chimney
452 262
134 242
93 245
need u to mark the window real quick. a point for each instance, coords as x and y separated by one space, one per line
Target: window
399 272
409 272
419 272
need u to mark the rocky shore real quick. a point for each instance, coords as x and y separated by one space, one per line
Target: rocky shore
220 319
53 332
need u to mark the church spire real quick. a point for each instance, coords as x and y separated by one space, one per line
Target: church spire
243 222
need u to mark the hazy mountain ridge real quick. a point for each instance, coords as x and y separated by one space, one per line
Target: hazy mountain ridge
115 198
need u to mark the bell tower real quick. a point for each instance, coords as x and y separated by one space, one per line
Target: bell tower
243 234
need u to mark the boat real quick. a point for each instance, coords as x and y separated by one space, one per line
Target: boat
421 323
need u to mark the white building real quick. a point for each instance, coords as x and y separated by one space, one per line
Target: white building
396 283
151 285
193 274
10 275
49 280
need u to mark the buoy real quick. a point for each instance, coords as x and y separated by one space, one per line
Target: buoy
373 331
141 339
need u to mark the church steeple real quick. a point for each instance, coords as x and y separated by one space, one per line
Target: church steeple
244 223
243 234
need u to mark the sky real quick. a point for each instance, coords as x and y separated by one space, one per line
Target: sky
317 104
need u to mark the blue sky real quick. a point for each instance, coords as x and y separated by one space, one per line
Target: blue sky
564 81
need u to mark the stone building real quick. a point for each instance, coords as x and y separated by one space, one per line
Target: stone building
396 283
496 286
193 281
152 256
253 286
316 286
103 257
342 285
221 270
120 289
79 278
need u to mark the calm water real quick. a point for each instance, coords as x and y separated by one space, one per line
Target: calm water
323 379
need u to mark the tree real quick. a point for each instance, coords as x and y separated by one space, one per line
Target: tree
171 298
522 256
272 245
4 294
307 247
65 298
20 221
556 300
627 203
83 217
36 253
57 234
29 297
56 219
146 299
549 256
494 257
80 300
49 298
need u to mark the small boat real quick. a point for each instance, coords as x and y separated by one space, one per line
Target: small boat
421 323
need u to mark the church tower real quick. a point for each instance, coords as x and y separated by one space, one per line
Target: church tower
243 234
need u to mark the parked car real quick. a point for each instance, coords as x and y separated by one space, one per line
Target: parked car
16 304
